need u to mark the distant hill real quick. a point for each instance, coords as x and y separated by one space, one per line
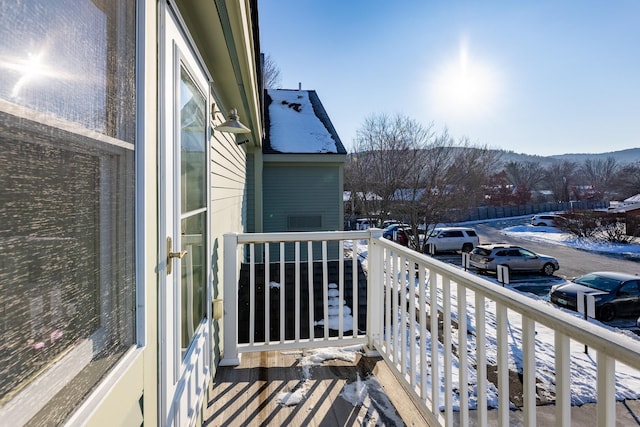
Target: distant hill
630 155
622 157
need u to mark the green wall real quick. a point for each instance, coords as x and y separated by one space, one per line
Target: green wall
302 198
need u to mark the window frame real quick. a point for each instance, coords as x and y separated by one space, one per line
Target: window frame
27 125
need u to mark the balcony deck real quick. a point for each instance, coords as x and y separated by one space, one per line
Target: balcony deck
249 394
407 297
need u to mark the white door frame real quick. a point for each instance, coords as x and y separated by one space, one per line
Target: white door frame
183 376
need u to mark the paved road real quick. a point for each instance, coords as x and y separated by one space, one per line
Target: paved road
573 262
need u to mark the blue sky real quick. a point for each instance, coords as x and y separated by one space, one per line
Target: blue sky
534 77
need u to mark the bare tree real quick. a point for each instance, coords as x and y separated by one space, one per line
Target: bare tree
600 173
529 173
388 150
499 191
362 201
270 73
418 175
469 172
560 177
627 180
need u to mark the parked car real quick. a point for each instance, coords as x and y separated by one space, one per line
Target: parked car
363 224
616 294
390 229
446 239
547 220
400 233
389 222
488 257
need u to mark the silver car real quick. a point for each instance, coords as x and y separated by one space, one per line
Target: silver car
488 257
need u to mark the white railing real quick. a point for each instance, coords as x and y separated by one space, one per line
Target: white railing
429 321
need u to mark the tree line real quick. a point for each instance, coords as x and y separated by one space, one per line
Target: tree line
402 169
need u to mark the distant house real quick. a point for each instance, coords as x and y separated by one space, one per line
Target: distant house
632 200
630 212
358 203
303 163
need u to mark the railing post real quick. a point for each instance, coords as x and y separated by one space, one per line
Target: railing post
230 285
375 293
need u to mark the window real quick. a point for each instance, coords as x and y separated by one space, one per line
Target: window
451 233
629 288
193 137
67 120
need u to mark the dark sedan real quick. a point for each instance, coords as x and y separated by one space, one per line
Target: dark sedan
616 294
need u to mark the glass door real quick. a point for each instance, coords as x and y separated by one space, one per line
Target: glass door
184 333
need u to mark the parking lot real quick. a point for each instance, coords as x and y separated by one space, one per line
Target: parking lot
573 263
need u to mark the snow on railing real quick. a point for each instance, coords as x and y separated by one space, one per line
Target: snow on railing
439 328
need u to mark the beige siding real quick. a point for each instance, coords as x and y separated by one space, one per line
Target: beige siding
228 210
228 185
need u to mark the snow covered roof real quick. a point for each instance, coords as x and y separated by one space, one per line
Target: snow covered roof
369 196
296 122
625 208
633 199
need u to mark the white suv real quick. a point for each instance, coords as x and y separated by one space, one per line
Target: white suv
547 220
444 239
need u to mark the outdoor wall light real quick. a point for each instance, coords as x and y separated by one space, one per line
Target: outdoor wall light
233 125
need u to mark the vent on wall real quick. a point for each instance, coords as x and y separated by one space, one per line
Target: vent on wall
303 222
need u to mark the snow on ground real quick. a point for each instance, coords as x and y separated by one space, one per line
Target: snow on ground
370 394
554 235
315 358
367 392
583 364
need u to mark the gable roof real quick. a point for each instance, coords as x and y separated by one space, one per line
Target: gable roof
633 199
297 123
625 208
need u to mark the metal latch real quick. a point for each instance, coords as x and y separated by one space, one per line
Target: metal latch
171 255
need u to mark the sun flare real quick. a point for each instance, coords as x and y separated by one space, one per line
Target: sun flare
465 88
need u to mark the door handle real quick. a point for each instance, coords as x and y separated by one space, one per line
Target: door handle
171 255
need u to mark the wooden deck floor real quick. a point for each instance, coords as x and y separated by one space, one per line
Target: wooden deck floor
250 394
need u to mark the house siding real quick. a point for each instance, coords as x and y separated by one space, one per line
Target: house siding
301 190
228 212
302 197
